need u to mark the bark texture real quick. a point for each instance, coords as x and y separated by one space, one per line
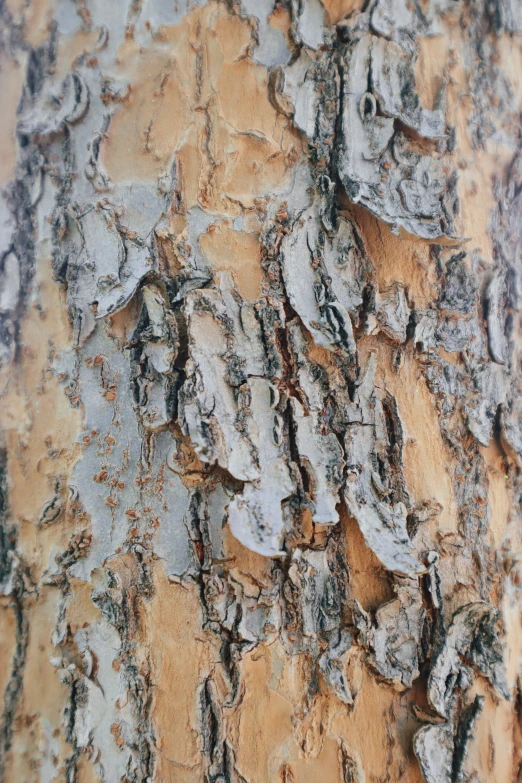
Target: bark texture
260 466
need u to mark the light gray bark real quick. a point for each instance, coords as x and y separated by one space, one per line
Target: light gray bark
196 412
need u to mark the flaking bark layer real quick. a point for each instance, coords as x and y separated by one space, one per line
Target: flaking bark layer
260 279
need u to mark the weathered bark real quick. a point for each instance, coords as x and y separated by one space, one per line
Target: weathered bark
260 374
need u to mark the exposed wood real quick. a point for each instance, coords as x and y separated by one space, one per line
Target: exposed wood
261 450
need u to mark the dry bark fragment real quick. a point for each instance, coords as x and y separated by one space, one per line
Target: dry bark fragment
244 365
471 635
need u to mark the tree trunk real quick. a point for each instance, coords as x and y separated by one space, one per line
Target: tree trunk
260 344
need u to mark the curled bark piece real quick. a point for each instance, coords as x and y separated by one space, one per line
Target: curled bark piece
230 412
425 326
384 530
496 333
433 746
393 85
365 136
482 405
377 165
247 331
471 635
511 428
464 735
396 639
506 16
442 750
403 22
393 312
347 264
157 345
211 407
313 592
322 459
58 104
331 665
308 90
308 18
382 524
320 451
161 333
255 516
308 285
272 48
113 295
104 273
10 284
297 93
94 171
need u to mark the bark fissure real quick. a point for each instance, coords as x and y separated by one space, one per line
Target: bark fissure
259 331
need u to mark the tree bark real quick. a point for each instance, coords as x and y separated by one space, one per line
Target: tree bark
260 269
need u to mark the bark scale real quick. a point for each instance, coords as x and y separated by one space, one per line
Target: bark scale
260 374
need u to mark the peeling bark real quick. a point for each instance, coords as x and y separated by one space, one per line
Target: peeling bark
260 459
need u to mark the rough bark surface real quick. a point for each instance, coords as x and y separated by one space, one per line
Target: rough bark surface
261 451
